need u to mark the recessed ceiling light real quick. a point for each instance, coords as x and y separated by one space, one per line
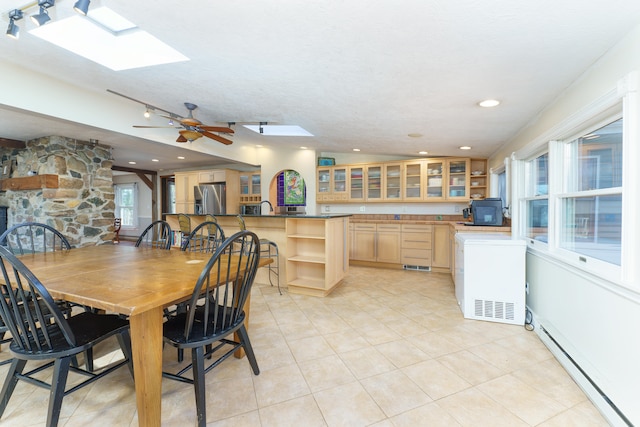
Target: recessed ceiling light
423 152
303 148
181 157
465 147
414 135
155 160
356 149
487 103
259 145
132 163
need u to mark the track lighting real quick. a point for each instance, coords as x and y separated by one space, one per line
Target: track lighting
43 17
147 114
13 30
82 6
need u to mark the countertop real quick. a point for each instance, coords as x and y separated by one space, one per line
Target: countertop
323 216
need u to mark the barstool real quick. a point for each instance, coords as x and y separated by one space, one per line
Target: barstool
184 222
268 249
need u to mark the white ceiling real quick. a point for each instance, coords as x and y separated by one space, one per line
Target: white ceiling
356 74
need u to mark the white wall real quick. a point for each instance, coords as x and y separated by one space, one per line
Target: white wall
592 319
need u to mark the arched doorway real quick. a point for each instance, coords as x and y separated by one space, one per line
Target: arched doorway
288 192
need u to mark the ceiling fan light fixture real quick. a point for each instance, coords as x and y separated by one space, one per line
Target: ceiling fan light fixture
13 30
82 7
190 135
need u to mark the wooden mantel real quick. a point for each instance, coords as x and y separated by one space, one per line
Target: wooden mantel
35 182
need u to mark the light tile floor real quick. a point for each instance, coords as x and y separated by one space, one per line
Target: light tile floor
387 348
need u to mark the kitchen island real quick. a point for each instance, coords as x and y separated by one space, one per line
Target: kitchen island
314 256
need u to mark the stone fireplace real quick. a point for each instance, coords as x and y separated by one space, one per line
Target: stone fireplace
81 207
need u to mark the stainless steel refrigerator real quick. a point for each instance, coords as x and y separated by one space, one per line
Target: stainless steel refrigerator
210 199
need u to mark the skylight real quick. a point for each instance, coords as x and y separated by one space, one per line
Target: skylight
108 39
279 130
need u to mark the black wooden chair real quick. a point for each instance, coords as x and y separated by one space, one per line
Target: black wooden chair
157 235
32 237
215 311
41 332
206 237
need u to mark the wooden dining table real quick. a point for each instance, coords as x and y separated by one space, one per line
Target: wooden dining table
137 282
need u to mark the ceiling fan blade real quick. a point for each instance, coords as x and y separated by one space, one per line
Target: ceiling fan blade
181 139
189 121
217 129
225 141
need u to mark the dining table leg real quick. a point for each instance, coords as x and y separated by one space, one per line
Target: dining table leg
146 348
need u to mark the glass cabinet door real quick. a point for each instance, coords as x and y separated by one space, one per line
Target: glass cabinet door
413 181
374 182
244 184
356 183
255 184
435 179
339 183
458 179
392 182
324 184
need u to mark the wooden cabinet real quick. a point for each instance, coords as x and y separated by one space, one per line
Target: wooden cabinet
416 245
317 258
373 181
441 250
185 182
388 243
419 180
435 173
392 182
413 181
376 242
479 180
250 187
458 182
356 184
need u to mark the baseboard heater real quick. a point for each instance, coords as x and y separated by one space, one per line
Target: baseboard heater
416 267
586 376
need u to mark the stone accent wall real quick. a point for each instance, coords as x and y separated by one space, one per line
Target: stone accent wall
82 208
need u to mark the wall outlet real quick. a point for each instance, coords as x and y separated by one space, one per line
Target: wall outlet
456 208
327 208
526 287
361 208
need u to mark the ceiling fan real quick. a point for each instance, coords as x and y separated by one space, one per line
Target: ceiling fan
190 127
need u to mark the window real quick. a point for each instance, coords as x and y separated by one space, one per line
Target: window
126 204
591 198
537 198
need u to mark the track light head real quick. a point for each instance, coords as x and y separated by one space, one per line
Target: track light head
13 30
41 18
82 6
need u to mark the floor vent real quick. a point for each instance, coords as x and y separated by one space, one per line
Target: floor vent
416 267
494 309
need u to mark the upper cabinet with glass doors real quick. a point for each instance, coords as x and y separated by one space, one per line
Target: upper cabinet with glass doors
419 180
413 181
458 186
393 181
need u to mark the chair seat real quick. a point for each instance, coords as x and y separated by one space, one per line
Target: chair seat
173 329
87 327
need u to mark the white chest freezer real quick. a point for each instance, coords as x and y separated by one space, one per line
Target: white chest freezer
490 277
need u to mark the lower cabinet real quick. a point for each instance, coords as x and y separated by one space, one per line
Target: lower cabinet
416 245
376 242
441 246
